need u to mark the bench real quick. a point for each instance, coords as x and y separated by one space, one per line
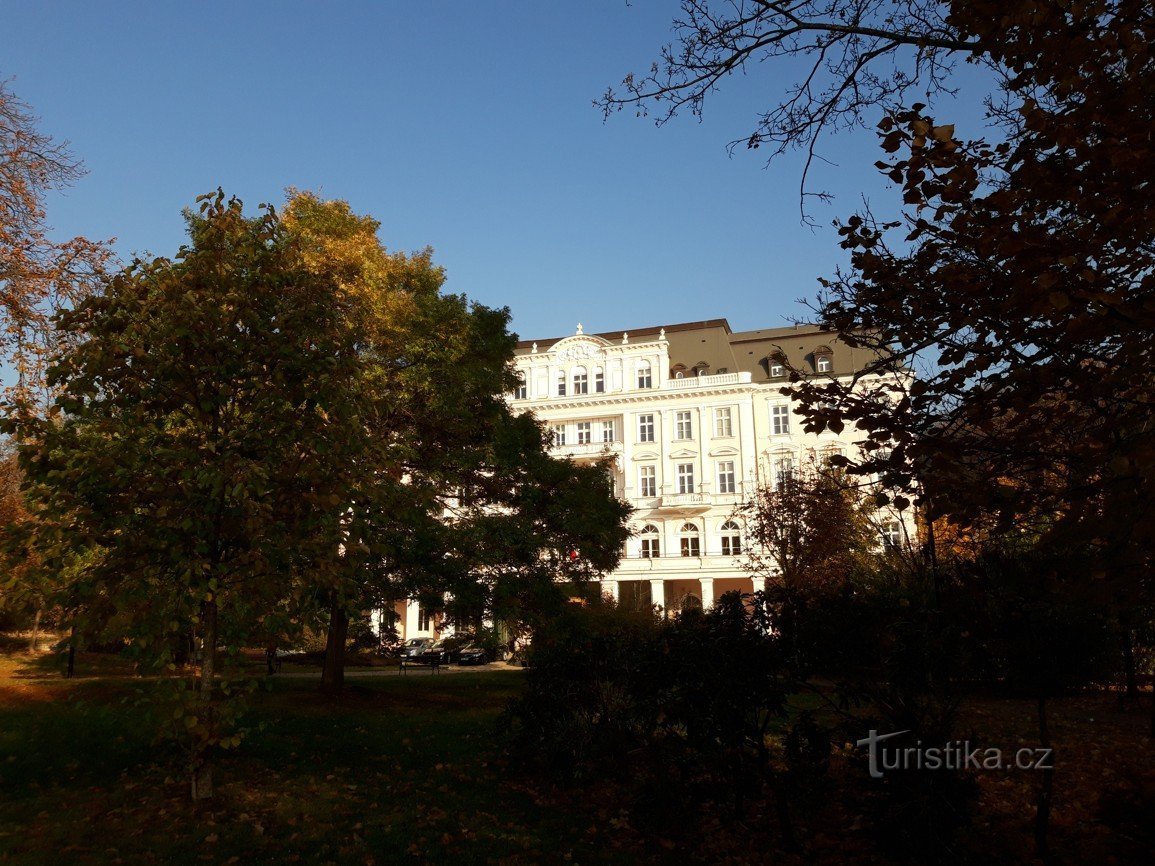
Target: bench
434 665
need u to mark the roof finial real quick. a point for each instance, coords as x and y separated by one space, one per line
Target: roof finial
579 330
534 349
662 334
625 337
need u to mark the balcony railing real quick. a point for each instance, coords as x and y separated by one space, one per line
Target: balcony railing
685 500
708 381
587 449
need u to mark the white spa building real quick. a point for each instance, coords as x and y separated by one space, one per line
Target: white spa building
694 419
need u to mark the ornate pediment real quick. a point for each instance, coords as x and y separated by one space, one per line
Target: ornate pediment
724 451
580 347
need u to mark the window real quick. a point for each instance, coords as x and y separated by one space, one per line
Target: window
559 434
779 420
679 375
723 422
783 471
726 476
648 481
645 428
561 384
645 376
683 426
607 431
777 368
691 544
685 477
581 381
829 454
583 433
424 619
823 364
520 392
650 547
599 381
731 538
892 534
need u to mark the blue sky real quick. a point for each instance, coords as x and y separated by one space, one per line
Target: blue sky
465 126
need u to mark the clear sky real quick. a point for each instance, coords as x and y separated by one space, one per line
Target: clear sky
465 126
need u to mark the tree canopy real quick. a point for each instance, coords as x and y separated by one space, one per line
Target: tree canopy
38 276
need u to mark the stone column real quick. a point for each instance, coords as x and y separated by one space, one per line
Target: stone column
707 584
658 592
610 588
411 609
759 584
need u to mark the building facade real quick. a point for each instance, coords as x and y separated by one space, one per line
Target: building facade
692 417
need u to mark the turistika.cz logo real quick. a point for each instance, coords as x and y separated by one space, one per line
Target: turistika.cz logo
955 755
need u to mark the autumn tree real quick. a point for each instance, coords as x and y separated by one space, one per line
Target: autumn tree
38 276
813 531
449 493
1019 275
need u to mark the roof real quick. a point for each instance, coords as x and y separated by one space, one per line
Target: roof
713 345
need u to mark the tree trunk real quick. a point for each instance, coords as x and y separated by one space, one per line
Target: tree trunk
34 643
333 674
1043 805
202 770
1152 731
71 669
1129 671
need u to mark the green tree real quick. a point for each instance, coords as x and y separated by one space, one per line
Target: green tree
206 407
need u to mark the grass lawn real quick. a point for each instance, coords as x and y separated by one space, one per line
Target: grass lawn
399 769
410 770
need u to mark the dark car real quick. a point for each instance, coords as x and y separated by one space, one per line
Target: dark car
473 654
439 653
413 648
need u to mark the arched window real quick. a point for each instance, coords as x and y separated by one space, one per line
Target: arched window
690 602
823 359
691 542
731 538
599 381
561 384
581 381
520 391
645 375
651 549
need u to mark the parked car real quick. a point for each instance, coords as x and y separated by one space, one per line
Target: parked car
473 654
440 653
413 648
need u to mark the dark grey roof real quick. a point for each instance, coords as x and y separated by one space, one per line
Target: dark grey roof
713 345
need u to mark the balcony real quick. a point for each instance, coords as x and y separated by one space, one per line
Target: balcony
587 450
708 381
686 503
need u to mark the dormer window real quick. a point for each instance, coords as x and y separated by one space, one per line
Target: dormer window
776 365
823 360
